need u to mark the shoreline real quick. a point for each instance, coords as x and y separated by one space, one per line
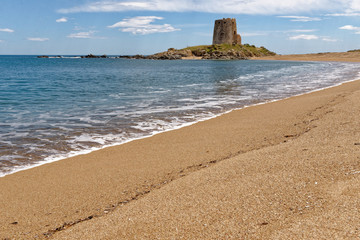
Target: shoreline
122 174
303 188
89 151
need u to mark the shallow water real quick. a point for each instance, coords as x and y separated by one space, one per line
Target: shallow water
54 108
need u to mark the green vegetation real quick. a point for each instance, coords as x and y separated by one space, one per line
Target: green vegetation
355 50
245 50
213 52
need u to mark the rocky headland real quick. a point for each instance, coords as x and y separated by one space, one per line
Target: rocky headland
211 52
215 52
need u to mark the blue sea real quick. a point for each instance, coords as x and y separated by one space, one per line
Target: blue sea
54 108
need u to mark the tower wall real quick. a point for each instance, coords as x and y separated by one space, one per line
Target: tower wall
225 31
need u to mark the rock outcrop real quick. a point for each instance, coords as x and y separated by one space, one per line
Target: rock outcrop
94 56
215 52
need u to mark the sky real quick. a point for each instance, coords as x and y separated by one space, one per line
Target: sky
125 27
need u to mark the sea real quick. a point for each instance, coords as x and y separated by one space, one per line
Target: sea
55 108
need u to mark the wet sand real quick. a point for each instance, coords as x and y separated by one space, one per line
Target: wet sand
327 57
283 170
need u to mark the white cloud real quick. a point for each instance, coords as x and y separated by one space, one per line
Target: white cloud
61 20
351 8
88 35
354 5
351 28
349 14
1 41
301 18
304 37
6 30
312 37
136 21
143 25
36 39
328 39
265 7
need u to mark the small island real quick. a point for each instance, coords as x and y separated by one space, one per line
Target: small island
215 52
226 45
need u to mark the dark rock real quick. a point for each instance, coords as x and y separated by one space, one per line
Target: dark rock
94 56
133 57
89 56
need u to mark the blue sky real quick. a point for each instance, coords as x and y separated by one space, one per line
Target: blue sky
118 27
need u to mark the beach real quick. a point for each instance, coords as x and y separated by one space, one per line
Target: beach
328 56
288 169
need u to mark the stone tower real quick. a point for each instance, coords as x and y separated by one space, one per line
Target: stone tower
225 31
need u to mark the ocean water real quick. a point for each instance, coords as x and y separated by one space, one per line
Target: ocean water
55 108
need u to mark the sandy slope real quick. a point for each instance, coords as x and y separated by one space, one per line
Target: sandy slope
332 56
304 188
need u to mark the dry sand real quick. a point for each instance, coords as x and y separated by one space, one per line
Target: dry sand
191 58
283 170
331 56
303 187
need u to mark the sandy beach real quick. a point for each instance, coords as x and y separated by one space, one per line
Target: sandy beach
283 170
326 57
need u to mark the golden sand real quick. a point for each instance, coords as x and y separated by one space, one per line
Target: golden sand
283 170
331 56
